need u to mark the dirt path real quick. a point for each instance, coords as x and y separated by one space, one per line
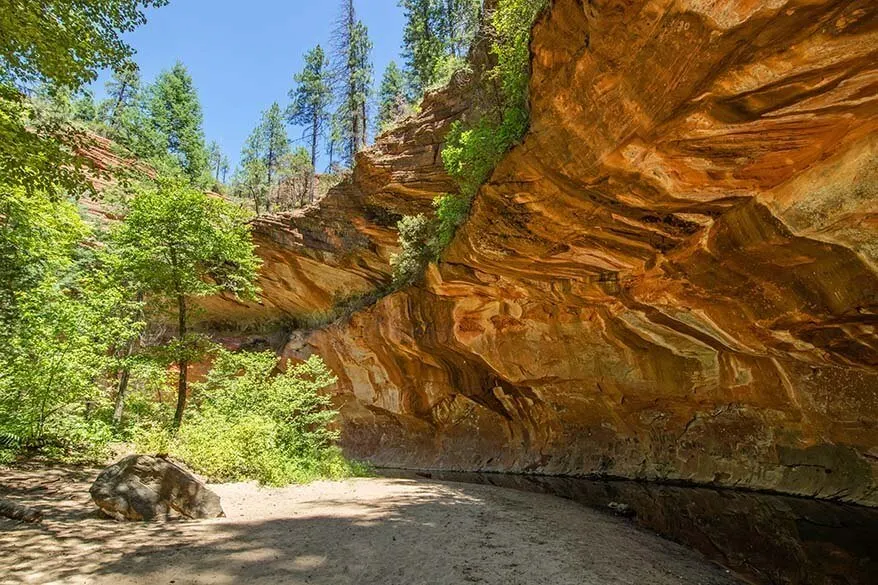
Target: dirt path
363 531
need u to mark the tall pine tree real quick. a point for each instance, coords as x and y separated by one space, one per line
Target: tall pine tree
436 34
353 79
175 112
267 146
123 93
312 98
392 102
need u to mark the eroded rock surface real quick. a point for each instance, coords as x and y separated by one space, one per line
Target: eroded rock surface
142 487
674 276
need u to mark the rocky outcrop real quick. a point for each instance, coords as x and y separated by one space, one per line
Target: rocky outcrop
142 487
326 254
672 277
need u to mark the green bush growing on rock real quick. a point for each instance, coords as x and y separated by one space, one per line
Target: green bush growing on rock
474 146
254 423
422 239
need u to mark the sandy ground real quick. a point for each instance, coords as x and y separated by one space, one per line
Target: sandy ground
362 531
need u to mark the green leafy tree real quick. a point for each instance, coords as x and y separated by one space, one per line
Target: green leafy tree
249 183
310 103
392 102
60 316
175 112
178 243
268 144
61 43
353 79
65 42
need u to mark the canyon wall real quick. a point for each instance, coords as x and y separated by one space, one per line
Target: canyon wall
672 277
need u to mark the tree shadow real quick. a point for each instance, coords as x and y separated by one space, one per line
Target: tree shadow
388 531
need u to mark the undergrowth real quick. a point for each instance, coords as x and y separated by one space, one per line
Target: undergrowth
251 422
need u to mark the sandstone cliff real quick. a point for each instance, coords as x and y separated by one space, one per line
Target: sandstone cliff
673 276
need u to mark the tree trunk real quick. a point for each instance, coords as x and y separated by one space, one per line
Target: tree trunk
19 512
182 363
121 391
313 179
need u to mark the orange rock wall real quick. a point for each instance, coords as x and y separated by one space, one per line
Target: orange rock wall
674 276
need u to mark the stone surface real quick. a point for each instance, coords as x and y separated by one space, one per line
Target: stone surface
672 277
142 487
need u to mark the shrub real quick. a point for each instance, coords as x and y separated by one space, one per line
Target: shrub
253 423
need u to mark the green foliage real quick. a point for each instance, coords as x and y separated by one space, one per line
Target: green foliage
475 146
61 44
62 312
177 243
392 101
472 150
252 422
264 154
422 239
37 148
65 42
310 102
435 39
353 77
175 115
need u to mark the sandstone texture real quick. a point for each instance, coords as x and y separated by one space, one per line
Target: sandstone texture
142 487
672 277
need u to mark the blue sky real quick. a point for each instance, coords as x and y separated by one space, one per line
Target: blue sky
242 55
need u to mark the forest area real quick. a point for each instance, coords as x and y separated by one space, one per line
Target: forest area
96 342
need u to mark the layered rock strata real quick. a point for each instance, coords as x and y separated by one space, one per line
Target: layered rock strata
673 276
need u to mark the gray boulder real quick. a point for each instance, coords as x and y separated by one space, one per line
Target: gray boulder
143 487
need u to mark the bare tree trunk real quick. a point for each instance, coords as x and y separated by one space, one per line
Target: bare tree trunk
313 177
121 392
19 512
182 363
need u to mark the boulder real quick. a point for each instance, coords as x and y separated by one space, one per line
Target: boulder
143 487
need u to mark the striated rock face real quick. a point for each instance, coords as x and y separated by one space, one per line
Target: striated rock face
674 276
324 254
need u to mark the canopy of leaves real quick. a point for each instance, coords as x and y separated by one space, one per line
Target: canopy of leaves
179 241
65 42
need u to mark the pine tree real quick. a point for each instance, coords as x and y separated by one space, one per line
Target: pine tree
268 144
175 112
353 77
123 93
437 34
392 100
422 45
458 23
311 100
215 158
84 107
